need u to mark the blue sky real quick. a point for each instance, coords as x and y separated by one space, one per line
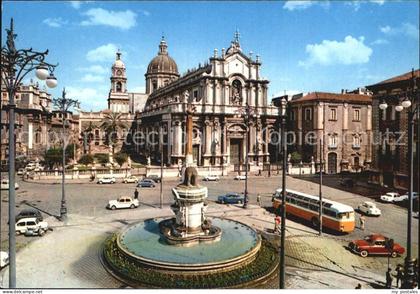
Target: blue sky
304 45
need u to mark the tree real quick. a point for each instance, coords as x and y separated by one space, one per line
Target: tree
86 159
102 158
121 158
295 157
87 132
54 156
111 124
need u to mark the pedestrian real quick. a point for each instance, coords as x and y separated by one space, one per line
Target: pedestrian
399 271
388 279
136 194
259 200
359 286
259 172
277 222
362 222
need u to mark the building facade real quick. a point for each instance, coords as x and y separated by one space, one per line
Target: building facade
220 92
342 121
390 127
37 126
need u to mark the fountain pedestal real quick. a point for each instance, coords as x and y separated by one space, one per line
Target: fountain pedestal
190 225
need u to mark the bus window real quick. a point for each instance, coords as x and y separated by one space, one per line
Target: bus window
344 215
313 207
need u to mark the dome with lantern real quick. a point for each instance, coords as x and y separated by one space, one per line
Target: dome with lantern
162 63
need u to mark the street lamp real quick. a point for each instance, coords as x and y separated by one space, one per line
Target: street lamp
16 64
283 117
411 104
247 112
63 105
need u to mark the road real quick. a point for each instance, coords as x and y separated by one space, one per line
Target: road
90 199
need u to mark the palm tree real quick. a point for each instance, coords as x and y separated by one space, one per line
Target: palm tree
87 132
111 124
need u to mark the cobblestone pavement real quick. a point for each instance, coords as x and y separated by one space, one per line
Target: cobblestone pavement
69 254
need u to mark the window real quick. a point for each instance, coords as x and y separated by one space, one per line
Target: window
308 114
356 142
332 141
119 87
356 114
333 113
154 85
292 115
195 95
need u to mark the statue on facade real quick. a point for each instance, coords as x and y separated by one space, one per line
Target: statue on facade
236 92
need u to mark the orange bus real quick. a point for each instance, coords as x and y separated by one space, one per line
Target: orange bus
336 216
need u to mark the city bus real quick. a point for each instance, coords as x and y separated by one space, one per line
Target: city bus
336 216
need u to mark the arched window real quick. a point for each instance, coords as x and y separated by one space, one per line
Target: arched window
119 87
236 92
154 85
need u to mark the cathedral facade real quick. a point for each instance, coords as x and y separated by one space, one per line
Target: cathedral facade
229 98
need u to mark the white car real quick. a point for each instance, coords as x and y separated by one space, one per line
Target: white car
5 185
123 202
20 171
31 224
405 196
4 259
107 180
30 166
211 178
130 179
240 177
392 197
369 208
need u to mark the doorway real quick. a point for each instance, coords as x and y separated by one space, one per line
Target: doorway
332 163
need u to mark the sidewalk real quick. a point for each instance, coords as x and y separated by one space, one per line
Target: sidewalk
68 257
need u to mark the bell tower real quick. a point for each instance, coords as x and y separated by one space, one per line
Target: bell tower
118 99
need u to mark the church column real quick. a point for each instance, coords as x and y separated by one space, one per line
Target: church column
207 142
218 141
224 141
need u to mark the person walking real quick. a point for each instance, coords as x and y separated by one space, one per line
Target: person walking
388 279
362 222
277 221
399 271
359 286
259 200
136 194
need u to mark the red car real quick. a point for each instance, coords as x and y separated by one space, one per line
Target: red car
376 244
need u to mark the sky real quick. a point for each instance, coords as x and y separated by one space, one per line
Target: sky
304 46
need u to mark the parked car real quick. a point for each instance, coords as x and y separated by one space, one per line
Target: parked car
231 198
392 197
347 182
376 244
405 196
20 172
154 178
30 166
5 185
4 259
130 179
29 213
369 208
106 180
146 183
240 177
31 224
123 202
211 178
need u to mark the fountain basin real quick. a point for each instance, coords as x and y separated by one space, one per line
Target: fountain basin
139 257
144 243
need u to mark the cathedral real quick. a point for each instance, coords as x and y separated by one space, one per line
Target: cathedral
229 98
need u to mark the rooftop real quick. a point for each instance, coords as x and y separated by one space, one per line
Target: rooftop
323 96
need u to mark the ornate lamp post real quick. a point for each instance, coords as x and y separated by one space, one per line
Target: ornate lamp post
283 117
411 103
16 64
63 104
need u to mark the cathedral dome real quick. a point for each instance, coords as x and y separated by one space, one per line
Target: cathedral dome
162 63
